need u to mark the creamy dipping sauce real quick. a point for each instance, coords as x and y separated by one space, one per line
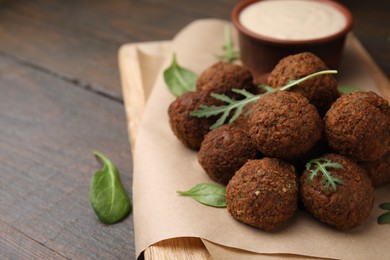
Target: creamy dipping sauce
292 19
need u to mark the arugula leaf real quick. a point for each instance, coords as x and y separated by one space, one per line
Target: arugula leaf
208 194
207 111
321 165
297 81
178 79
107 195
267 88
230 54
238 105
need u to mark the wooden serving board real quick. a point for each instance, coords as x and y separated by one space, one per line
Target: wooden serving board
139 65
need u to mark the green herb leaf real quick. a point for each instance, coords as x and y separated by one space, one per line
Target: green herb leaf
267 88
298 81
321 165
384 218
230 54
208 194
238 105
178 79
207 111
347 89
385 206
107 195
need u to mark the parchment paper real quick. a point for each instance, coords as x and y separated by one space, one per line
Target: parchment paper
162 165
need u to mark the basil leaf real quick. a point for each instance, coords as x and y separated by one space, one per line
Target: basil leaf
208 194
107 195
384 218
385 205
178 79
347 89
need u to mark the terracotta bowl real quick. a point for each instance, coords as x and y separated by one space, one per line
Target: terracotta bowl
261 53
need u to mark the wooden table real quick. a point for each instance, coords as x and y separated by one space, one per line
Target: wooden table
61 99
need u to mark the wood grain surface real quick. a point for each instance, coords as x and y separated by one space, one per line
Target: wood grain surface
60 99
49 130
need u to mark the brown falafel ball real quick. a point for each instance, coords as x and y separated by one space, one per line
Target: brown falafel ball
284 125
224 150
190 130
222 77
263 193
347 206
378 171
321 91
358 126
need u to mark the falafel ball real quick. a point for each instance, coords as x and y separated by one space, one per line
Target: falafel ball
358 126
347 206
263 193
321 91
224 150
378 171
222 77
284 125
190 130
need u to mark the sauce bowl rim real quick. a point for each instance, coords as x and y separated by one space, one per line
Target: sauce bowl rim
266 39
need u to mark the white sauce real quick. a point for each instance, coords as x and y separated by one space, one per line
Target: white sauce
292 19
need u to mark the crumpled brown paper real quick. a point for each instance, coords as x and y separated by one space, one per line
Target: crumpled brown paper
162 165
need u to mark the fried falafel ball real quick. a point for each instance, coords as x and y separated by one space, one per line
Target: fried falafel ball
378 171
358 126
222 77
224 150
263 193
347 206
284 125
321 91
190 130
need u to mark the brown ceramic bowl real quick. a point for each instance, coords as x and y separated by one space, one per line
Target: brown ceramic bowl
261 53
